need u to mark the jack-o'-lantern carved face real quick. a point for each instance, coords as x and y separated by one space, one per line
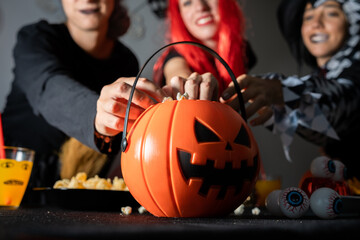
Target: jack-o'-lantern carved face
190 158
231 175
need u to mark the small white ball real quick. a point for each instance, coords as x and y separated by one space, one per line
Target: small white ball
325 203
272 203
340 173
322 166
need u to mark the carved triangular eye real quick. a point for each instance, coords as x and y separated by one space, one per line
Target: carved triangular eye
204 134
243 137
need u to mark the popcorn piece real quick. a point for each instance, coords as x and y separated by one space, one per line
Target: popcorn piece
75 184
81 177
62 183
126 210
142 210
167 99
103 184
255 211
240 210
118 184
182 96
91 183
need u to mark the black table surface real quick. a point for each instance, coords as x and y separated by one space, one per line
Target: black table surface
58 223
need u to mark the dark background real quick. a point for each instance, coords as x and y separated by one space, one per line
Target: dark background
145 37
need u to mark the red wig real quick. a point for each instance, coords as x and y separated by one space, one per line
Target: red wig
231 43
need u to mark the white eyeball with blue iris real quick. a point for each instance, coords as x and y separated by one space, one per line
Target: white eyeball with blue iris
323 166
325 203
294 202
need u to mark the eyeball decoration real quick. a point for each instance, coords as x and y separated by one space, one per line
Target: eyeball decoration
293 202
323 166
326 203
340 173
272 203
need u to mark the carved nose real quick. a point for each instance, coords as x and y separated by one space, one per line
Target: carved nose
228 147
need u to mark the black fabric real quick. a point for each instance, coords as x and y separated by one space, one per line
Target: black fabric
55 89
337 82
341 103
290 15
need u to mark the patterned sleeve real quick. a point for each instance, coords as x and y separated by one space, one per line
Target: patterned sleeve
316 108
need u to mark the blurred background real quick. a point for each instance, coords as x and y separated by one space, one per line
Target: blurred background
145 36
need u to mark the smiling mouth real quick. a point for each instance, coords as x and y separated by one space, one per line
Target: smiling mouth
205 20
319 38
90 11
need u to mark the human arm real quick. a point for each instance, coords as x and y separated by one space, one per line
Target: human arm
325 106
61 83
176 66
45 66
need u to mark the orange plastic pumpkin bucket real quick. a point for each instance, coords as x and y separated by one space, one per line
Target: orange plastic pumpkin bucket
190 158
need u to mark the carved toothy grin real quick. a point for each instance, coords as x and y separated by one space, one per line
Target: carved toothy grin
214 177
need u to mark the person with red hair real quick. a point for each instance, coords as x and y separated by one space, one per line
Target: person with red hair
217 24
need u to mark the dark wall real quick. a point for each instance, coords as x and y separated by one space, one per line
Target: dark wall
146 35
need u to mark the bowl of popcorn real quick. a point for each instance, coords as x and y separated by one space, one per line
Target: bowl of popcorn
81 181
90 193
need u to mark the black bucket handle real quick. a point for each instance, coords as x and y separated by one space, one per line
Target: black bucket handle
209 50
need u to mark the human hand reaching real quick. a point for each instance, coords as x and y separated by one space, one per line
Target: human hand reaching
259 95
112 103
203 87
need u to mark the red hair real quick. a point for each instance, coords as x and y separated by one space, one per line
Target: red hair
231 43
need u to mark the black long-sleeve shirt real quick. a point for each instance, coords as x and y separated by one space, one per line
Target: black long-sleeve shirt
55 88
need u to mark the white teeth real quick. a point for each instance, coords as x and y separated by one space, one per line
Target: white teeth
317 38
204 20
